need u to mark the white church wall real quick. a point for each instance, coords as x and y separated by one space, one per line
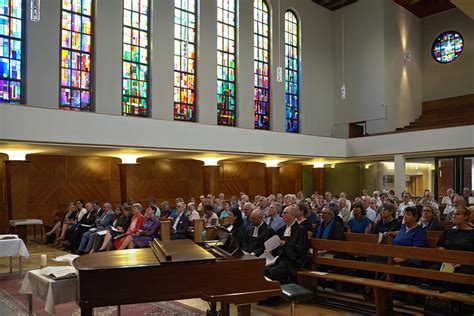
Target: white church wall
453 79
363 66
403 87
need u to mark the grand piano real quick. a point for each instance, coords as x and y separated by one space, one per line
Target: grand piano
170 270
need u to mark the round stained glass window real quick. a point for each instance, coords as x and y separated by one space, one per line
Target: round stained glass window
447 47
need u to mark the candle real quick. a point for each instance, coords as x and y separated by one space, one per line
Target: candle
43 259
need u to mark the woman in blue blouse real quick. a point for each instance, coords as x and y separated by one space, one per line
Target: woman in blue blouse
410 235
359 223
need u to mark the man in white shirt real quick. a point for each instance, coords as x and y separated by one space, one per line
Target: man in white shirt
466 192
406 201
448 199
274 220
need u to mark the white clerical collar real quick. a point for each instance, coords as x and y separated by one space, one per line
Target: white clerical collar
287 232
255 230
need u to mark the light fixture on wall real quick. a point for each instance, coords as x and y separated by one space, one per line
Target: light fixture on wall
35 10
128 158
210 161
279 69
406 57
343 87
272 163
17 155
318 164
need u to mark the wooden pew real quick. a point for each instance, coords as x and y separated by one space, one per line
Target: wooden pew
196 232
431 242
382 288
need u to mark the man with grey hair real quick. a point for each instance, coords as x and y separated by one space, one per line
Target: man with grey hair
344 210
370 212
247 209
180 223
292 251
274 219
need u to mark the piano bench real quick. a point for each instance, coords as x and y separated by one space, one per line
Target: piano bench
292 292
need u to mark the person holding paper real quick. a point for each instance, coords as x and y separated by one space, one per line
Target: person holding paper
292 251
146 233
120 226
83 225
102 223
257 234
135 224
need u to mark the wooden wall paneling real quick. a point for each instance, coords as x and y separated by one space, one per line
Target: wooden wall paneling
235 170
318 180
232 187
17 176
129 178
88 168
272 180
291 177
171 169
195 189
211 176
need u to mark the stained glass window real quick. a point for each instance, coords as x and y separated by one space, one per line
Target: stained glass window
261 40
447 47
135 58
76 55
12 15
226 62
185 60
292 67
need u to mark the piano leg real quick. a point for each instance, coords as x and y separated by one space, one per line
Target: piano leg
225 309
243 310
86 311
213 310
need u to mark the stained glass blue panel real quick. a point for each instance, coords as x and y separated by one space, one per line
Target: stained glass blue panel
261 94
292 73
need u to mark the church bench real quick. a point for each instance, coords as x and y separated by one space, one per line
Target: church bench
195 233
383 288
431 242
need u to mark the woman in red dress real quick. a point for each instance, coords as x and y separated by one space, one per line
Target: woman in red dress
136 223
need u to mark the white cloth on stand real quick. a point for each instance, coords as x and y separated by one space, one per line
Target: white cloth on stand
53 292
13 247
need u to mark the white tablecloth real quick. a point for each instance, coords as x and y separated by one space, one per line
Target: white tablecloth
51 291
13 247
20 222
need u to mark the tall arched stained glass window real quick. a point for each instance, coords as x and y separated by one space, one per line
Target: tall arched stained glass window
226 62
185 60
76 55
135 68
261 40
12 15
292 67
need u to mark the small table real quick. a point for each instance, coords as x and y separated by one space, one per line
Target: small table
25 222
52 292
13 247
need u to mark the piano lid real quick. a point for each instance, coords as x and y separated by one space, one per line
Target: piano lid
181 250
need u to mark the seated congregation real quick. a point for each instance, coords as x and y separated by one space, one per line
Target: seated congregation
412 250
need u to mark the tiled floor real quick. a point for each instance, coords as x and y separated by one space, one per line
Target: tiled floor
33 262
